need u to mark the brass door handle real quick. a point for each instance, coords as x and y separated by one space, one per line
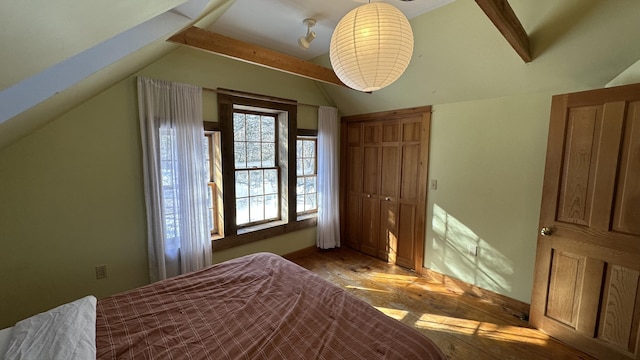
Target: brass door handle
546 231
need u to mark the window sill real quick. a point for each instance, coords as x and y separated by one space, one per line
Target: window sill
250 229
303 217
262 232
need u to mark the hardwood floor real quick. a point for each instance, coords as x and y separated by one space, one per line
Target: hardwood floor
463 326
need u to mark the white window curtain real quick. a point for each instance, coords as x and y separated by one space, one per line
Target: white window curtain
174 177
328 231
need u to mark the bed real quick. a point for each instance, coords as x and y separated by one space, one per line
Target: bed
259 306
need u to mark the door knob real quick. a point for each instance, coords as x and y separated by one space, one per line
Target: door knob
387 198
368 195
546 231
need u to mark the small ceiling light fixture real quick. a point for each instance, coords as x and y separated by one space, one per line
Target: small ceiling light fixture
305 41
371 46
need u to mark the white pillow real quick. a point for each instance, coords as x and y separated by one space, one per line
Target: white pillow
66 332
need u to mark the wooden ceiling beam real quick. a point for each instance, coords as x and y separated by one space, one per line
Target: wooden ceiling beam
240 50
502 16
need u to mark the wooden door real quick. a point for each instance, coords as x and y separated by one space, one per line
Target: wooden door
587 273
370 188
409 191
352 137
389 189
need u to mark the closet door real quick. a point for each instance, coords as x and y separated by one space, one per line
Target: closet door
384 184
389 188
370 188
352 136
409 200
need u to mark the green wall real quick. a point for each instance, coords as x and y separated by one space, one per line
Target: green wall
72 199
71 193
488 159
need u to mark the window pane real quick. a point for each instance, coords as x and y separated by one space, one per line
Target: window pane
309 166
170 226
210 208
167 173
310 202
240 155
298 149
310 185
299 169
268 154
271 181
242 211
239 127
166 144
309 149
299 203
168 201
242 184
300 186
256 212
268 129
271 206
256 184
254 155
253 127
205 149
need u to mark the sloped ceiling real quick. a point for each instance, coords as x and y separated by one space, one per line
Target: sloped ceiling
58 54
459 55
38 34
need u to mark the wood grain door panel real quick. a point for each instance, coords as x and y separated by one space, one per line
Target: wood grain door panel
370 225
406 235
620 308
353 219
580 155
587 274
627 204
388 245
353 212
389 172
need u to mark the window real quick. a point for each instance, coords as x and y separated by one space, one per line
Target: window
306 174
171 203
257 194
210 145
257 173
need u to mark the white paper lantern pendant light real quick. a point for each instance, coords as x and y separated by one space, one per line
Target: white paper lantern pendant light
371 46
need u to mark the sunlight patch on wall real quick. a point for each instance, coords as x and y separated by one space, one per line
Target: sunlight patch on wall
489 269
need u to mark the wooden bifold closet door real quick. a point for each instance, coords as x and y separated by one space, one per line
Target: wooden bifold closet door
384 175
587 273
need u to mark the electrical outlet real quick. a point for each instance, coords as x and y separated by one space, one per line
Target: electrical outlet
473 250
101 272
434 184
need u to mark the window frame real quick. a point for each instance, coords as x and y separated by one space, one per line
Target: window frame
211 183
228 101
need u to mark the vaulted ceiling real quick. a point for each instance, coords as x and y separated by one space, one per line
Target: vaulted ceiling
58 54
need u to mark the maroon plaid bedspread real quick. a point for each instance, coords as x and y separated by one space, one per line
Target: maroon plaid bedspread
259 306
